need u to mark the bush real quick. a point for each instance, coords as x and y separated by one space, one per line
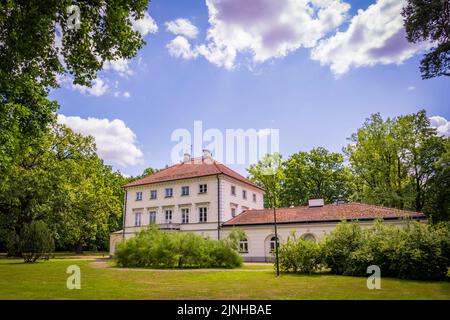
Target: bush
36 242
339 244
417 251
299 255
153 248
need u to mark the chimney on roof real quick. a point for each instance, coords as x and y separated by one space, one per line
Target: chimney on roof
206 154
186 157
315 203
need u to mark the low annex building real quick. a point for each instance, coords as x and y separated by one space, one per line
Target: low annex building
204 196
311 222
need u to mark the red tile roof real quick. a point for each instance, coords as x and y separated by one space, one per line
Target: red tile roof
197 167
329 212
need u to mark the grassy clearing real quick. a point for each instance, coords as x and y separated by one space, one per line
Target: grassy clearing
47 280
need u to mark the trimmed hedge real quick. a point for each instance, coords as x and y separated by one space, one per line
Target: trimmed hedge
153 248
416 251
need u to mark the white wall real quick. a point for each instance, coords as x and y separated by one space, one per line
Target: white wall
228 200
258 237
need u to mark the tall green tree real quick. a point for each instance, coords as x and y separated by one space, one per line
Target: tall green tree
394 160
40 42
318 173
429 20
269 174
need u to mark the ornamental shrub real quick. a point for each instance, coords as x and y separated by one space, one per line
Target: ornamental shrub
339 244
299 255
153 248
415 251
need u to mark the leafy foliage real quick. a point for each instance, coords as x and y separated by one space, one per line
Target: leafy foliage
318 173
299 255
339 244
47 173
418 251
153 248
429 20
398 162
62 182
36 242
268 174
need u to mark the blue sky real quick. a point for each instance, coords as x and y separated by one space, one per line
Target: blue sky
311 104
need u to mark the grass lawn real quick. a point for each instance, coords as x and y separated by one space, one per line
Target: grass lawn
47 280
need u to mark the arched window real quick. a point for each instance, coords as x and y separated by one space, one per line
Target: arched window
243 245
273 242
309 237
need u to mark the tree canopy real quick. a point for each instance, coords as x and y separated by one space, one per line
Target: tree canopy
429 20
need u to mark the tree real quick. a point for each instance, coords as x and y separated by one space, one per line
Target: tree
268 174
62 182
38 46
318 173
394 160
437 205
36 242
429 20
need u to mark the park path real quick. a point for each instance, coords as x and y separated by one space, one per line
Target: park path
103 264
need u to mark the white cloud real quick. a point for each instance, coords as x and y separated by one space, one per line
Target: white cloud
267 29
181 48
145 25
116 143
182 27
411 88
119 94
441 124
374 36
99 88
120 66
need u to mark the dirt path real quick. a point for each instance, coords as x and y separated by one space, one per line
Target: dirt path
102 264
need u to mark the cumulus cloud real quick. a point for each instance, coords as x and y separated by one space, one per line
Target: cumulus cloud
441 124
374 36
182 27
116 143
99 88
181 48
145 25
267 29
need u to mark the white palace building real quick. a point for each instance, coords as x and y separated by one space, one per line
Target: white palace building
204 196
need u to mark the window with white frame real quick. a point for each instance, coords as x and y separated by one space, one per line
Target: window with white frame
185 191
139 195
169 192
233 190
244 194
254 197
233 212
185 215
168 216
203 214
153 194
203 188
152 218
137 219
243 245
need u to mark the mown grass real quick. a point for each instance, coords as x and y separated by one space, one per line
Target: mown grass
47 280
